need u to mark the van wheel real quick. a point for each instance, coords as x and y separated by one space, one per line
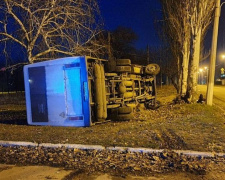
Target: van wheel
152 106
152 69
123 62
123 69
124 117
124 110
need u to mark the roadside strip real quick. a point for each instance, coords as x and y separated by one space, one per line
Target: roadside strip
101 148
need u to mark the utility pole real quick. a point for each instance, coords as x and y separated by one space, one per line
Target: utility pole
148 56
212 64
109 46
160 62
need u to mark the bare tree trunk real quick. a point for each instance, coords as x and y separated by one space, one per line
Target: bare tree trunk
185 64
186 24
29 56
179 80
194 65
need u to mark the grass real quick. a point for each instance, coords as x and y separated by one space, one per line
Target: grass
184 126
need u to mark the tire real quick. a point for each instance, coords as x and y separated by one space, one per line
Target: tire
98 92
123 62
152 69
123 117
132 105
122 69
113 106
124 110
151 106
103 92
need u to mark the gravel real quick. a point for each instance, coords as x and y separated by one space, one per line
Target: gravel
106 159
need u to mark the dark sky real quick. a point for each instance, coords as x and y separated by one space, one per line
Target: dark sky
139 15
221 35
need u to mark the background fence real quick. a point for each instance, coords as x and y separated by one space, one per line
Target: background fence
11 80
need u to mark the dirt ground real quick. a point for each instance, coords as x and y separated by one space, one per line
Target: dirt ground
11 172
195 127
181 126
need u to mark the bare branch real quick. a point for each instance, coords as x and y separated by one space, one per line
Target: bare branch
16 19
12 38
47 29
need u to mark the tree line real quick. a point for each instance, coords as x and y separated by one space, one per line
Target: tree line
185 24
42 30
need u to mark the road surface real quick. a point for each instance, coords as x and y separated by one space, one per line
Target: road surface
218 94
12 172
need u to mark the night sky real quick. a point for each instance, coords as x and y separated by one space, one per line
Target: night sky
139 15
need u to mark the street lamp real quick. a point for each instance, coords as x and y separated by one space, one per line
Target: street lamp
212 65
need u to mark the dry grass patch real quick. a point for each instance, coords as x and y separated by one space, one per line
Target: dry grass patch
185 126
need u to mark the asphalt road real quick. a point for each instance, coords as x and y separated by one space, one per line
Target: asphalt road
218 94
12 172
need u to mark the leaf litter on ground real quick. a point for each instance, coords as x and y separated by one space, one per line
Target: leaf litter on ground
172 126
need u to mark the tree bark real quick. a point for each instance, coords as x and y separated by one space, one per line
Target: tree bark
194 65
185 64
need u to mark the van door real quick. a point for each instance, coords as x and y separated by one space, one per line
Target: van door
38 95
73 88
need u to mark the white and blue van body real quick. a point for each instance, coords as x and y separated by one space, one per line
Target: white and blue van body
57 92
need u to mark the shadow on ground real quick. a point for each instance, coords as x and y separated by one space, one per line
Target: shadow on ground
13 117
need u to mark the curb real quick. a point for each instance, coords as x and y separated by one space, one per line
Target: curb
101 148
